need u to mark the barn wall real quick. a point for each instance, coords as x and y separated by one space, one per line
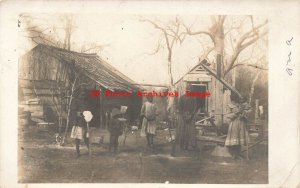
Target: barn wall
37 65
47 78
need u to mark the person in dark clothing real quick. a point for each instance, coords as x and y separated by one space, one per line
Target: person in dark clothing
187 108
115 129
79 131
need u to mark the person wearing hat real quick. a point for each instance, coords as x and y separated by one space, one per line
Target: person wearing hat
115 129
148 114
79 132
237 135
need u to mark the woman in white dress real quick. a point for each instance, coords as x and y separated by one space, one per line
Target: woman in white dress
149 113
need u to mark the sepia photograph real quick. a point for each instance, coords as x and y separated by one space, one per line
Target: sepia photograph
143 98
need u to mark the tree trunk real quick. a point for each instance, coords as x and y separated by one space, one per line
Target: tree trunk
69 110
69 41
219 47
252 86
170 68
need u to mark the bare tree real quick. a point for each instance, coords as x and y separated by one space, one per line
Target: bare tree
171 34
68 28
69 107
39 31
57 103
39 34
217 34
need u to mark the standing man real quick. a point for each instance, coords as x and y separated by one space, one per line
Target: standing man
149 113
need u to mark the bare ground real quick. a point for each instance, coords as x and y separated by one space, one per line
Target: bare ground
40 160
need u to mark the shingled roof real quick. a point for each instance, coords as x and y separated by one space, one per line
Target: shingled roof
93 67
223 81
212 73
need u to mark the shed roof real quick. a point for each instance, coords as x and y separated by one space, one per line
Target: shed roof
223 81
93 67
204 65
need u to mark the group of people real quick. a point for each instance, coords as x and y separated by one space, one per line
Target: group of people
187 108
115 128
237 135
80 130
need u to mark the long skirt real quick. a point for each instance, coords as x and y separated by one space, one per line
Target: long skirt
237 134
185 133
148 127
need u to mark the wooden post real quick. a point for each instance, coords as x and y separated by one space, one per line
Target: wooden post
100 104
247 146
256 119
89 140
60 115
219 65
222 111
124 132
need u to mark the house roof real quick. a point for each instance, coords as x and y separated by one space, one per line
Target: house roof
93 67
223 81
204 65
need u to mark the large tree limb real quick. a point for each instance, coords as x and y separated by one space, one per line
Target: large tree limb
252 32
189 32
97 47
248 43
249 65
207 52
245 41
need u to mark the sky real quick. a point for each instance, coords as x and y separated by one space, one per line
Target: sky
129 43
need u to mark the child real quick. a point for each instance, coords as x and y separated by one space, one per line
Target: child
115 129
79 131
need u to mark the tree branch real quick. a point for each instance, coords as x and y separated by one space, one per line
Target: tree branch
245 45
203 56
252 36
189 32
99 47
249 65
251 33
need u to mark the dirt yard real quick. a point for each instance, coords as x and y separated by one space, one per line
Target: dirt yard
41 160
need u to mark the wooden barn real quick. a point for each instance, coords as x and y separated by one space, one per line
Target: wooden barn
50 77
202 78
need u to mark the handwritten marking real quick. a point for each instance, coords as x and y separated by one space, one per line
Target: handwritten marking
289 42
289 69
